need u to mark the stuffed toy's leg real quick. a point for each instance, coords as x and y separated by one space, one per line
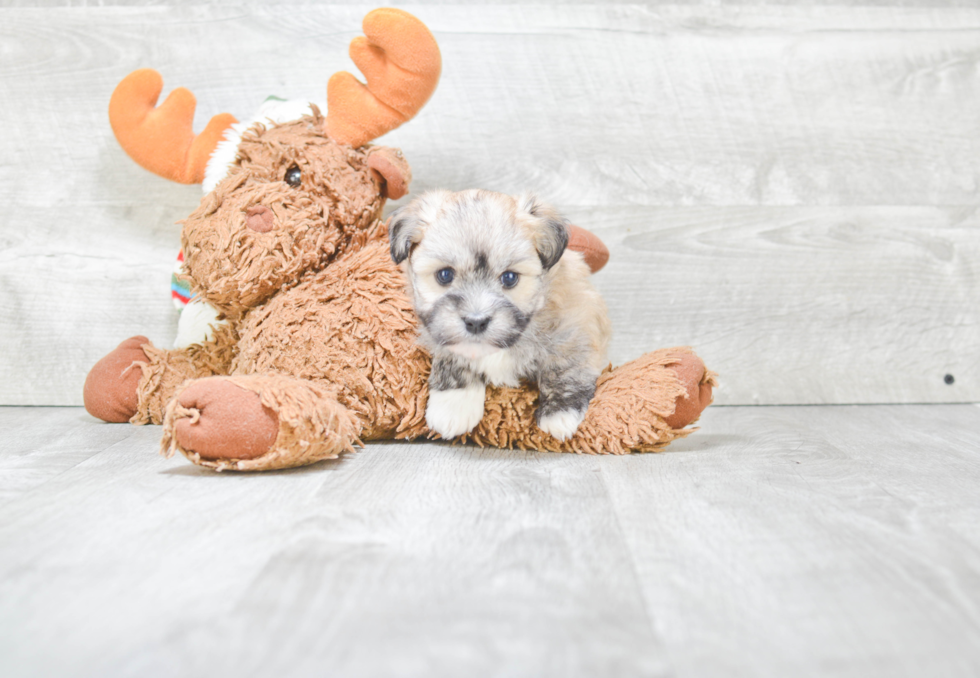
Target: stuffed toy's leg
640 406
136 380
258 422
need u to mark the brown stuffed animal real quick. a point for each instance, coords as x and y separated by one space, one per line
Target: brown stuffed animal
318 352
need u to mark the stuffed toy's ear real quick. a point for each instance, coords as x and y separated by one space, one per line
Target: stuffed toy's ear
393 168
549 229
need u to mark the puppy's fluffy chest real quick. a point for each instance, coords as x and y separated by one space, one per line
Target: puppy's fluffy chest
499 368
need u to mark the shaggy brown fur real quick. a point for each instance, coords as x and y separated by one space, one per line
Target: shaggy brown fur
320 350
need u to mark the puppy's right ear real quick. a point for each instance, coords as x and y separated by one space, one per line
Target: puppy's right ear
404 232
407 224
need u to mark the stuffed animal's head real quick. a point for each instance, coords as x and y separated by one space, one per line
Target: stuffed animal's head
293 200
295 194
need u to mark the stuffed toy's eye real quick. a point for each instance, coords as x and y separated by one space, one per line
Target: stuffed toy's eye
294 177
508 279
444 276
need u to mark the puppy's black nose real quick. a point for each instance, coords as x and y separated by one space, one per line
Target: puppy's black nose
476 324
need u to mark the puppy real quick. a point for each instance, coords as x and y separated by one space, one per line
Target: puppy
500 300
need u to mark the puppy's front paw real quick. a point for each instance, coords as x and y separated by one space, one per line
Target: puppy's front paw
561 424
456 411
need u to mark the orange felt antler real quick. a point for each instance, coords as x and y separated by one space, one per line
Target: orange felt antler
162 139
400 61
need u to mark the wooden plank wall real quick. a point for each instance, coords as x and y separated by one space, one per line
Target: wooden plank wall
791 189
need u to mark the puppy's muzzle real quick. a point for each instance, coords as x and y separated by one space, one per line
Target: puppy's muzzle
476 324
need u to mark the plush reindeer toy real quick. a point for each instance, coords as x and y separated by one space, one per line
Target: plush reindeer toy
313 348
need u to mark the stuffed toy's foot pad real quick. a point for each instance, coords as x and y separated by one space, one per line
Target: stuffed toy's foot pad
227 421
690 370
110 387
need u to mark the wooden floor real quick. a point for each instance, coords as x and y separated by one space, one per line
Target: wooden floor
777 541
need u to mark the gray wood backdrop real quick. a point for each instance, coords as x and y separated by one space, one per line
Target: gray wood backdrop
791 189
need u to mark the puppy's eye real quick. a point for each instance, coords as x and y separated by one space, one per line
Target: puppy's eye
508 279
294 177
444 276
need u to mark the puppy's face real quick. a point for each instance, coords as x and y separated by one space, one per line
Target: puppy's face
477 263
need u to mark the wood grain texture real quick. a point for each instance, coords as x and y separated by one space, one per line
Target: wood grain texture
850 532
404 560
777 541
869 112
801 304
892 4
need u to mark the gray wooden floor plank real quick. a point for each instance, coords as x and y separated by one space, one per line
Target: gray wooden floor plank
813 541
774 541
402 560
33 454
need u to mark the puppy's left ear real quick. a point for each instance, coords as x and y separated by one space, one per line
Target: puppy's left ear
548 228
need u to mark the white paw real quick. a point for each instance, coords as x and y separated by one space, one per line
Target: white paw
456 411
562 424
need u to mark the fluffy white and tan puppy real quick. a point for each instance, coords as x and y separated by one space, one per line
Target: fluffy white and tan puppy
500 300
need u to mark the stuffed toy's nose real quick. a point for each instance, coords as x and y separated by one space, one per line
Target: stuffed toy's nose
259 218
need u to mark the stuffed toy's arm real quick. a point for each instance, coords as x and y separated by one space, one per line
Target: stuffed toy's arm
588 244
135 381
